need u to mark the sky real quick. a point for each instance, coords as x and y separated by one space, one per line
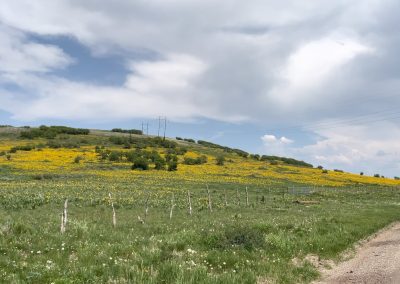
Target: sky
313 80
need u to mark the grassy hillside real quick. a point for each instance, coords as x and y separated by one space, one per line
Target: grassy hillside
253 219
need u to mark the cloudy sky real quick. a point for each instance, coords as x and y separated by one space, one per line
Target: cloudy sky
314 80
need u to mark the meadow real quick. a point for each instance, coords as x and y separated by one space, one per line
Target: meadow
251 221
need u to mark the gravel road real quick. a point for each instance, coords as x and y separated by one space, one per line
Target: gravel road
376 261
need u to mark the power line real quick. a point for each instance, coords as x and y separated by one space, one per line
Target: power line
375 116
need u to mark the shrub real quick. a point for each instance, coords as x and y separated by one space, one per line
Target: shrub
177 151
131 156
159 164
195 161
78 159
377 175
140 163
172 165
178 138
171 157
338 171
361 174
130 131
115 156
320 167
50 132
397 178
255 157
220 160
22 148
189 140
324 171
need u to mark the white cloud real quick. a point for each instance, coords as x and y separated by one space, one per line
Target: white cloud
312 64
276 146
18 54
153 88
268 138
372 148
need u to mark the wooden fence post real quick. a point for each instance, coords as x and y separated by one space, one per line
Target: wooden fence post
247 197
114 216
209 199
172 206
190 203
64 217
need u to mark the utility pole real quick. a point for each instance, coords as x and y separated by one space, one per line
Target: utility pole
142 128
159 126
147 128
165 126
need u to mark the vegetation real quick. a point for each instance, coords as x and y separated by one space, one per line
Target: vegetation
140 163
195 161
130 131
50 132
155 238
220 160
288 161
239 152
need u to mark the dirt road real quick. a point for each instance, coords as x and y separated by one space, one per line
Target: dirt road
376 261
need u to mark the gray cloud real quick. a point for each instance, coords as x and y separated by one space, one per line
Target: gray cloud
275 63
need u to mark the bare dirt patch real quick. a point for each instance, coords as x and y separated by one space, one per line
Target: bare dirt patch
376 260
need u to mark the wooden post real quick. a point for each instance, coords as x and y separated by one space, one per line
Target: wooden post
247 197
172 206
66 212
190 203
146 208
64 217
225 197
114 217
62 229
238 196
209 199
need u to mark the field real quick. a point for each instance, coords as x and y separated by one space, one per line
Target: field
252 221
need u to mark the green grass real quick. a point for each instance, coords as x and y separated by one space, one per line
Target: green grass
233 244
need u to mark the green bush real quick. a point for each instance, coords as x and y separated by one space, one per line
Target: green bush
130 131
50 132
78 159
255 157
22 148
220 160
171 157
172 166
115 156
195 161
140 164
324 171
159 164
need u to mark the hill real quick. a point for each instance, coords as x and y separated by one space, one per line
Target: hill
98 206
